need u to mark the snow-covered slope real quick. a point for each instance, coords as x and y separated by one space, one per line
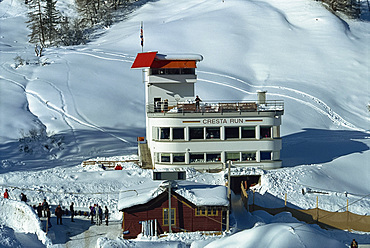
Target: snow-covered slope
88 98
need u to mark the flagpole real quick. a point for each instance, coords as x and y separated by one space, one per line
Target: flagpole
142 37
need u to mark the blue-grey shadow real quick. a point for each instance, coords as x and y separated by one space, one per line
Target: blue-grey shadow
315 146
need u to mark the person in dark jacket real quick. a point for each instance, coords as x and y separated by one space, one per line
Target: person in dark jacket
354 244
23 197
39 210
58 214
106 215
48 215
100 213
71 208
45 206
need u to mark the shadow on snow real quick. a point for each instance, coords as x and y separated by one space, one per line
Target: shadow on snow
315 146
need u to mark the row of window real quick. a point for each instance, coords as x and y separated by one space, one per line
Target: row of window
211 157
200 133
202 211
172 71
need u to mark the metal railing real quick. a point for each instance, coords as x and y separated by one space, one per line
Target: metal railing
215 107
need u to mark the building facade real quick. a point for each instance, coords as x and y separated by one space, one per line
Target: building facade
184 132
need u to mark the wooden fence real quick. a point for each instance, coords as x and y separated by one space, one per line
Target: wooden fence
337 220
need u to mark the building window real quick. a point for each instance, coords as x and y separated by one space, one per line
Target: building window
179 157
249 132
265 155
212 133
178 133
165 216
165 157
196 133
265 132
169 71
213 157
196 158
233 156
201 212
248 156
165 133
231 132
212 212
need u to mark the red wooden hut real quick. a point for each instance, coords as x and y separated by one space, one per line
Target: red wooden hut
195 207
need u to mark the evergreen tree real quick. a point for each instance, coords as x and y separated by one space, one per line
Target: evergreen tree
51 22
36 24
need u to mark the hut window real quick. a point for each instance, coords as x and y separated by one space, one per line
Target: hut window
197 158
249 132
213 157
233 156
165 157
165 133
231 132
265 132
212 212
179 157
165 216
201 212
178 133
196 133
249 156
266 155
212 133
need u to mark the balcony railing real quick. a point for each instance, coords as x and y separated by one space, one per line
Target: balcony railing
215 107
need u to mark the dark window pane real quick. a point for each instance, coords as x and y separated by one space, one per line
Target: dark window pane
265 132
248 132
213 157
248 156
165 133
178 133
178 157
231 132
197 158
165 157
266 155
213 133
196 133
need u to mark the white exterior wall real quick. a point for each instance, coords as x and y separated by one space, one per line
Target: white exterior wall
274 145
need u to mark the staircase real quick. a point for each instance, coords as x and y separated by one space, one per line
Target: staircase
145 157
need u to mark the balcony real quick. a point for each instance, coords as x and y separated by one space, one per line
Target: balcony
215 107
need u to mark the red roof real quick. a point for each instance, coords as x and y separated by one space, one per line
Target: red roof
144 60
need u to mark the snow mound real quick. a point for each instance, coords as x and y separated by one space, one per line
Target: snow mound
278 235
21 217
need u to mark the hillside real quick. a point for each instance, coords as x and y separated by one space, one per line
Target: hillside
84 101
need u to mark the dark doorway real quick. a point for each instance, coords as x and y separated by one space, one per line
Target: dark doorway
247 181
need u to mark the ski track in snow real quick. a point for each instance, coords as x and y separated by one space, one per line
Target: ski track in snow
332 115
59 110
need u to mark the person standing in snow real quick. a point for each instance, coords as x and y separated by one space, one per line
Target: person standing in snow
6 194
45 206
71 208
100 212
58 214
354 244
23 198
92 213
48 215
106 214
39 210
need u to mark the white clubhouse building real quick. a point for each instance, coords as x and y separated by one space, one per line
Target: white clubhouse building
181 134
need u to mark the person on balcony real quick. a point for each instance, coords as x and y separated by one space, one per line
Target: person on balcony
197 103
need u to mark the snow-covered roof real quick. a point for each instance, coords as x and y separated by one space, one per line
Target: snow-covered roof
196 57
197 193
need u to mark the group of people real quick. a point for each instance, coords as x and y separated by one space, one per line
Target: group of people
96 214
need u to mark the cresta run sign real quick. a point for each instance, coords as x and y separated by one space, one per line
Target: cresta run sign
216 121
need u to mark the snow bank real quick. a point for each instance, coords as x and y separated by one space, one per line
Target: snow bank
21 217
7 238
277 235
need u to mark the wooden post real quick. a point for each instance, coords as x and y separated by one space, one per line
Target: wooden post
169 208
228 195
317 209
285 199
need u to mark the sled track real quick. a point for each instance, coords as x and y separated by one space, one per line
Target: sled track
332 115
